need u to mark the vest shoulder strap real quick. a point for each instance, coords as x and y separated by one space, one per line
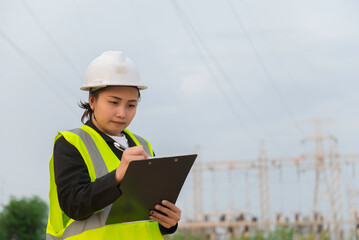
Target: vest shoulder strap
97 160
140 141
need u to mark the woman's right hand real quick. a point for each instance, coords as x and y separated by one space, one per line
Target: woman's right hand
129 155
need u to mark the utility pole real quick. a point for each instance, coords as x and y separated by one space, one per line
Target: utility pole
197 187
263 181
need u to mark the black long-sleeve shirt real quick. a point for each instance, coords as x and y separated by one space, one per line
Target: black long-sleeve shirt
79 198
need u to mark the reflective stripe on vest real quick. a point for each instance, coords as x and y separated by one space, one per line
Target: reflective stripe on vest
140 141
99 164
98 220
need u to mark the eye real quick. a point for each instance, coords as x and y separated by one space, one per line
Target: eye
113 102
131 105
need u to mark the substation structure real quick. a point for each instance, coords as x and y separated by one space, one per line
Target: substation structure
326 165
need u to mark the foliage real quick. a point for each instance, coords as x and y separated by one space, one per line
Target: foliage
188 236
323 236
2 236
24 219
280 233
283 233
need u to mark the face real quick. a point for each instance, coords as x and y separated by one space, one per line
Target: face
114 109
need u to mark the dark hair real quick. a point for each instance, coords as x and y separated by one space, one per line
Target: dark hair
88 110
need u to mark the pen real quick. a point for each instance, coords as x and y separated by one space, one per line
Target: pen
119 146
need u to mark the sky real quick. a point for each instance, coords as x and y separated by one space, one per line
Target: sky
222 75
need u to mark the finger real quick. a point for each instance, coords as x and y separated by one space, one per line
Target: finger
129 158
134 153
166 225
171 214
137 150
162 219
171 206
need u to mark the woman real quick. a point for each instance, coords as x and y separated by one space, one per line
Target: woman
89 163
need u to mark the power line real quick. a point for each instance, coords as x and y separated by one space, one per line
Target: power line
189 27
191 32
228 80
263 65
52 40
267 40
38 68
84 26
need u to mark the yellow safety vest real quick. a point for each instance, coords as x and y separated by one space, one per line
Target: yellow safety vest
100 160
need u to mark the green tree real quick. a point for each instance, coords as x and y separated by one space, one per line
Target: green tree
24 219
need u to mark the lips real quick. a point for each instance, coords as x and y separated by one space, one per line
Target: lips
119 123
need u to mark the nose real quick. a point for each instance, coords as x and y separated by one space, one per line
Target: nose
121 112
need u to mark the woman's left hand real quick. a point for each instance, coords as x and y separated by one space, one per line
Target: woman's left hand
172 211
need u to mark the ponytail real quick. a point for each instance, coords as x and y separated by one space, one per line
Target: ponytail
85 105
88 111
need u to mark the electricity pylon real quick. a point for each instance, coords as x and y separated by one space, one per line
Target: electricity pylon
327 177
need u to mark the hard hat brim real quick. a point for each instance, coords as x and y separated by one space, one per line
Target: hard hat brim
88 87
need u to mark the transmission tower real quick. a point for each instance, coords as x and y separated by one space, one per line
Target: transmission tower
327 163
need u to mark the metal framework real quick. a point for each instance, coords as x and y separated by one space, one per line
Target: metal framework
327 165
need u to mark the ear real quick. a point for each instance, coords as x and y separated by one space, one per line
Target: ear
92 101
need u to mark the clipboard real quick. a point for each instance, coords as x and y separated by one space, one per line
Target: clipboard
148 182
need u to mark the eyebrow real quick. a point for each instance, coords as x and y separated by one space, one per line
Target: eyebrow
118 98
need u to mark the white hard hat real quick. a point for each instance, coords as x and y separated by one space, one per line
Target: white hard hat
112 69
